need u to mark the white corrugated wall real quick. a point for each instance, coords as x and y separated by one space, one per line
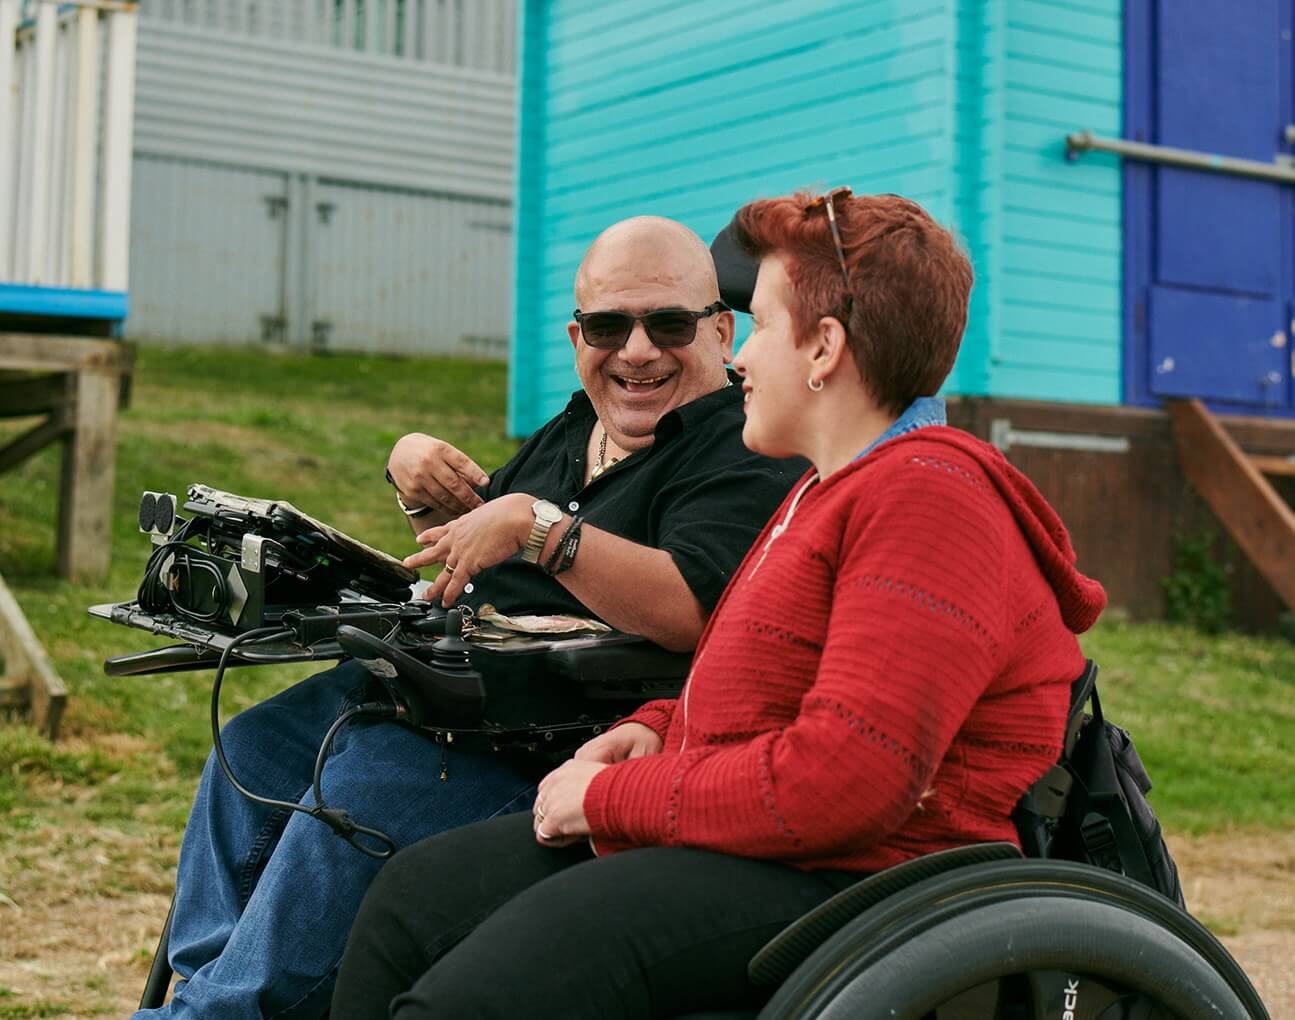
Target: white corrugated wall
295 183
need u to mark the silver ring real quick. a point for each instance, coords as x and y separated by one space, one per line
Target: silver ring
545 836
539 813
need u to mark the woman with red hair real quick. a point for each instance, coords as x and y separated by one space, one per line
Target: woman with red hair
885 675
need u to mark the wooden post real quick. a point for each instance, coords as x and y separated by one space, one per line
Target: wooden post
85 418
28 676
85 510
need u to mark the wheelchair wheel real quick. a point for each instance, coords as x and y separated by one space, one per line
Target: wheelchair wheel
1021 940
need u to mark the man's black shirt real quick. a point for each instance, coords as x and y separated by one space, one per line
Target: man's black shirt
696 492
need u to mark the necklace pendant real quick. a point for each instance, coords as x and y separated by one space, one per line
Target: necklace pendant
598 470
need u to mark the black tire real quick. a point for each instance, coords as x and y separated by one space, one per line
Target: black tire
958 931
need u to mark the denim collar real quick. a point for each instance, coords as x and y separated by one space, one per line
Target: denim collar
921 412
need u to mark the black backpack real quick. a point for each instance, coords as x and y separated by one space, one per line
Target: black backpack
1092 805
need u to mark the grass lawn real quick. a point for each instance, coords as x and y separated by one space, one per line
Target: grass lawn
100 813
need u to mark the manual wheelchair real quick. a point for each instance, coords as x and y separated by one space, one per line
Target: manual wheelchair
978 931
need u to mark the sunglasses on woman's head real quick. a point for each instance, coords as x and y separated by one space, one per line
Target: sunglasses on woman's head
827 201
665 327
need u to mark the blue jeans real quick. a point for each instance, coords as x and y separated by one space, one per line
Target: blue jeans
264 901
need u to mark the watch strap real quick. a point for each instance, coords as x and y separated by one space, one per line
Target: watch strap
539 534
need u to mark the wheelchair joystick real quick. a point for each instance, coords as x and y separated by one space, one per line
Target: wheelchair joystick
425 623
434 694
451 652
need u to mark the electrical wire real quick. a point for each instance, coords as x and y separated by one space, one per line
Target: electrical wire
336 819
222 590
152 594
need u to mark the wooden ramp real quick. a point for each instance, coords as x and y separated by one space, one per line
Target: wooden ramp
1232 482
26 677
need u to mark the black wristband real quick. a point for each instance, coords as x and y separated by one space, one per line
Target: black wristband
570 543
555 557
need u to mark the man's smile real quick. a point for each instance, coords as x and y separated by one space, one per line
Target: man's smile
642 384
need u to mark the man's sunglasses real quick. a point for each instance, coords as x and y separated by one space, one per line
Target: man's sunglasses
665 327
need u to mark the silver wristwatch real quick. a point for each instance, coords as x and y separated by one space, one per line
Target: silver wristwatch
546 515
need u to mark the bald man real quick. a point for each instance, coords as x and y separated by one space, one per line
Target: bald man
634 505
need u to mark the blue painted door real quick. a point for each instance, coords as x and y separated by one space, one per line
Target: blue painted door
1208 256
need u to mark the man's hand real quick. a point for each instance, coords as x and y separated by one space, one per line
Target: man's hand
558 817
471 543
430 472
629 740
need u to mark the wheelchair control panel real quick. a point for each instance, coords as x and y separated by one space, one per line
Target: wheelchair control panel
255 581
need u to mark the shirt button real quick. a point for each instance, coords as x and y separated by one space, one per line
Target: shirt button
469 588
573 506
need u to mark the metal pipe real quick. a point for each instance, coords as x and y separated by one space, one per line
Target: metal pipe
1085 141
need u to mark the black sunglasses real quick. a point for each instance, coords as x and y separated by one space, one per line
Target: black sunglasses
665 327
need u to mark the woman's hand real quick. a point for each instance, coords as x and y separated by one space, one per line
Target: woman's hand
628 740
471 543
559 812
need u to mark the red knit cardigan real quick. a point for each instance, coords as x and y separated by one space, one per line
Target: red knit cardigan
881 680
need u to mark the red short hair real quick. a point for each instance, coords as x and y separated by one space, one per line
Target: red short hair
909 285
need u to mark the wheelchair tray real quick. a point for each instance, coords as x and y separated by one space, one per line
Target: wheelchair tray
538 691
202 646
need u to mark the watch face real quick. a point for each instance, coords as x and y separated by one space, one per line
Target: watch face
547 512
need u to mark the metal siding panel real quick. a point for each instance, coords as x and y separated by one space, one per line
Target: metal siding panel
441 47
507 37
206 256
291 108
417 159
411 273
450 32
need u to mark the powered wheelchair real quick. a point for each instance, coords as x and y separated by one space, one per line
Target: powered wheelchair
979 931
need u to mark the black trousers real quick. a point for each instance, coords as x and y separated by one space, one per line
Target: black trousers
483 922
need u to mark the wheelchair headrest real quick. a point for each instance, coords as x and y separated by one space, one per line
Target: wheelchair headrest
736 270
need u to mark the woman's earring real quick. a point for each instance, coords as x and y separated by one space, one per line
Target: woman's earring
810 383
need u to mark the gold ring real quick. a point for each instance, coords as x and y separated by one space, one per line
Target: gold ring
449 570
539 813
